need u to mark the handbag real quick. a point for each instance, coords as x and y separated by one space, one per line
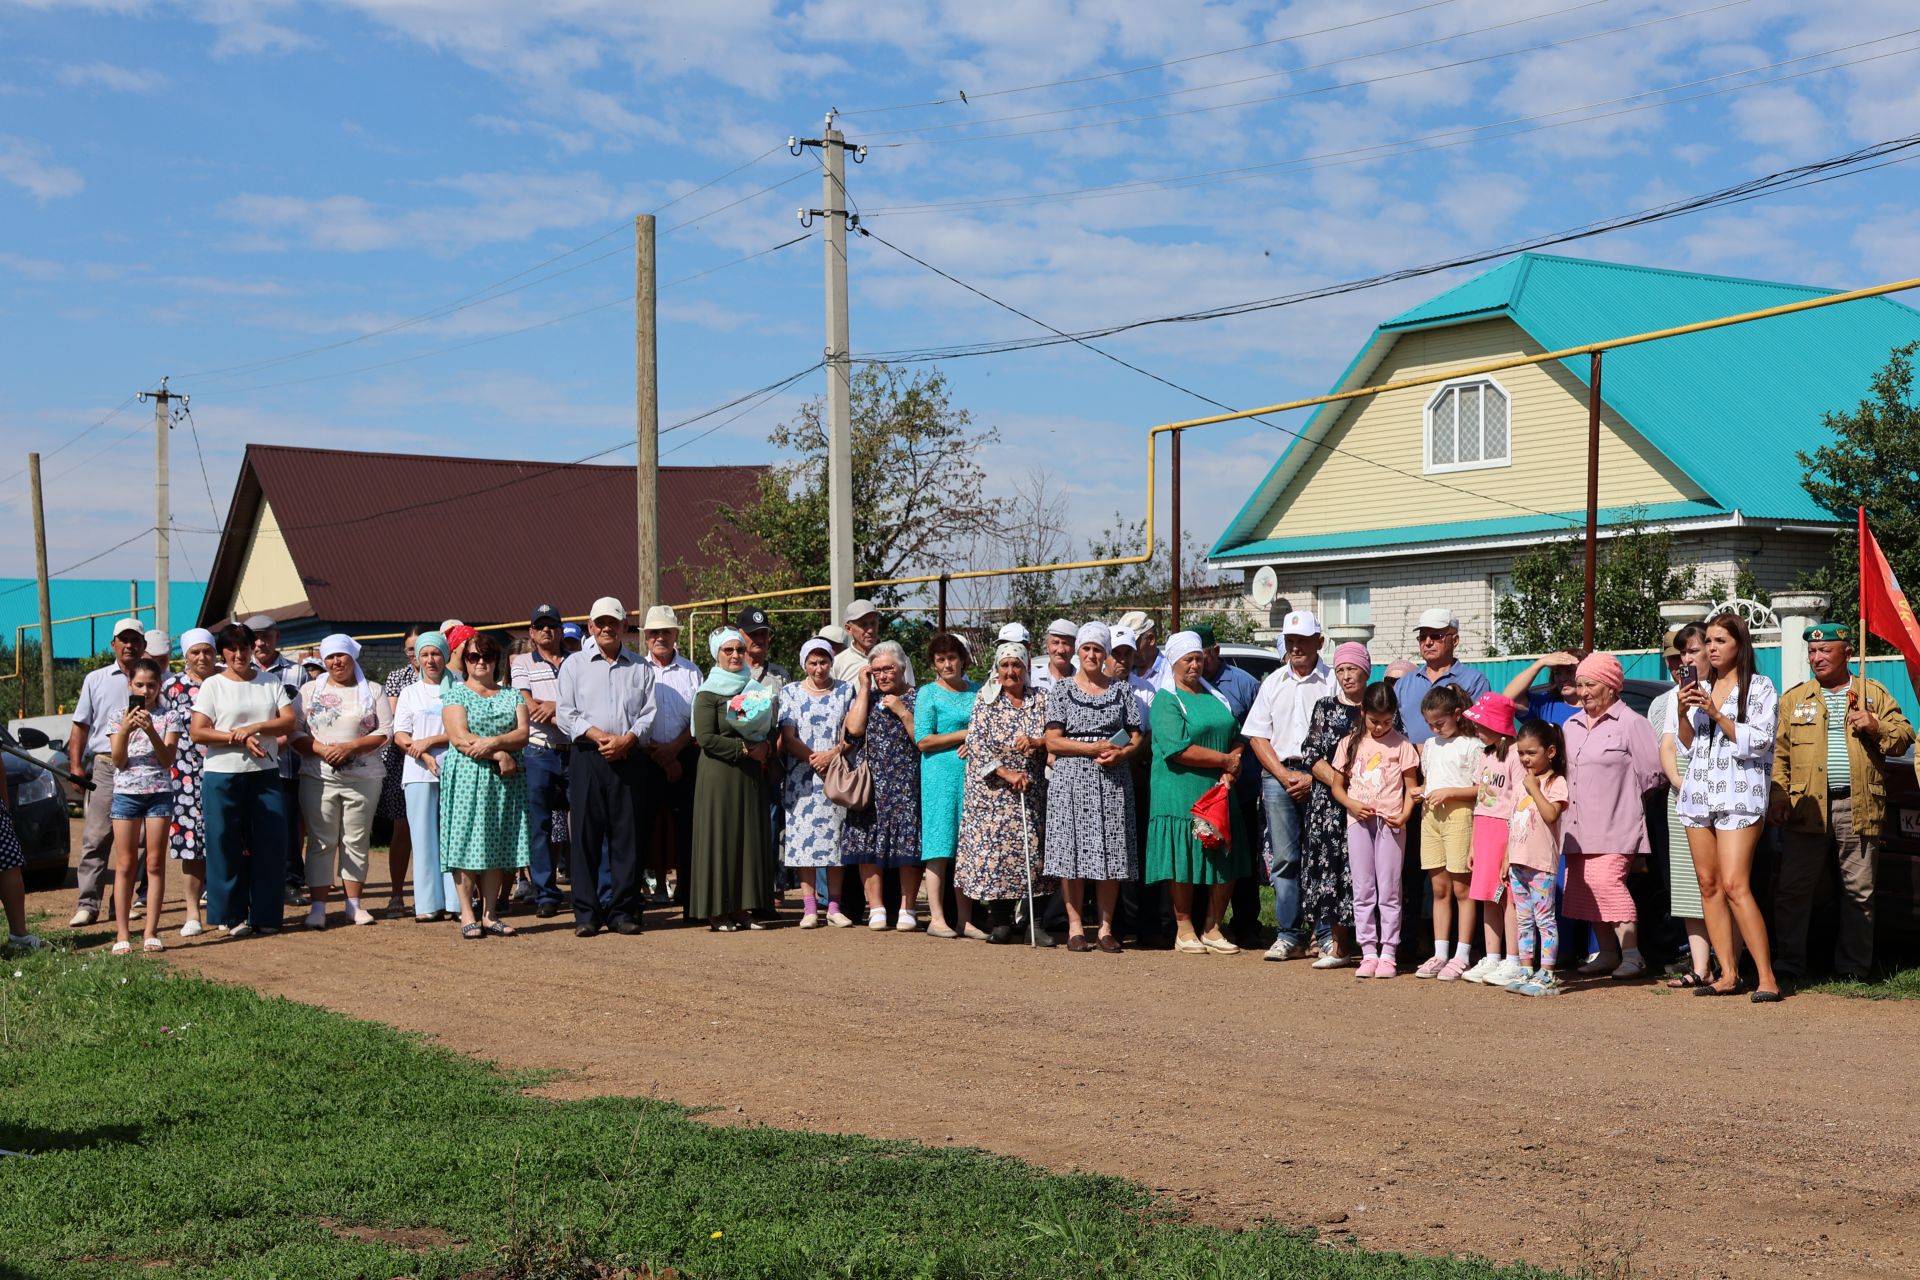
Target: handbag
848 785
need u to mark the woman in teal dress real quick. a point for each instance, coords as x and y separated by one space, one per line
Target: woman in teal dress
733 859
940 717
1195 745
483 793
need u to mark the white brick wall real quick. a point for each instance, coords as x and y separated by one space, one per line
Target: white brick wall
1402 586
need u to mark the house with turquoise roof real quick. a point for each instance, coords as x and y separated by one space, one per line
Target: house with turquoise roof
1382 507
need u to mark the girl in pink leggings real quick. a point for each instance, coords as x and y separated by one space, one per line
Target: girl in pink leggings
1377 766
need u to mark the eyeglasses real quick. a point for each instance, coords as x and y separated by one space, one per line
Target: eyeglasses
543 625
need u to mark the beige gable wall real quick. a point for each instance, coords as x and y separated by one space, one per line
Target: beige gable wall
268 579
1337 493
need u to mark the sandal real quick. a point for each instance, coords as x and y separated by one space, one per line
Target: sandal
472 931
154 944
122 948
1687 979
500 930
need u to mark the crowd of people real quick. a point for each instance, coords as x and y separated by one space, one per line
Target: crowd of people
1101 788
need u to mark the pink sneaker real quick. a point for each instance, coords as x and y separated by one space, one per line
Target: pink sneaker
1430 967
1453 969
1386 967
1367 965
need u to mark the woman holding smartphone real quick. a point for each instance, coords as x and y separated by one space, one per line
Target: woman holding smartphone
1726 728
144 738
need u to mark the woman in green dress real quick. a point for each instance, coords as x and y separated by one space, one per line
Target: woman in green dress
733 856
940 717
1195 745
483 793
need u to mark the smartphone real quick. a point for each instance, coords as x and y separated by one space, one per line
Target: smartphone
135 702
1688 675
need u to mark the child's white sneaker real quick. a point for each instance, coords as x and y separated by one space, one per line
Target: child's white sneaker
1508 970
1481 968
1541 983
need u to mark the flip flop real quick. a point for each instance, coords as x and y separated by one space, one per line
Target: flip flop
500 930
472 932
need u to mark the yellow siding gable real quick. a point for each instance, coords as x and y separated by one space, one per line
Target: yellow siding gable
268 579
1339 493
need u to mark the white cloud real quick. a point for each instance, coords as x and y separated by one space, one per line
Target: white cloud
23 162
105 75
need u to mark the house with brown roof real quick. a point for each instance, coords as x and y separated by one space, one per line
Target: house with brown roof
327 540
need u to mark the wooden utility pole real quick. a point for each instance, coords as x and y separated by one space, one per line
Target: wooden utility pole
162 507
646 468
46 588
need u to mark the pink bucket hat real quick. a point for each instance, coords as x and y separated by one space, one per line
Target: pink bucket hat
1602 668
1493 711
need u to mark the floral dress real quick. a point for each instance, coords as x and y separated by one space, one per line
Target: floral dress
813 823
185 840
1001 829
483 816
393 800
1326 879
1090 818
887 832
943 775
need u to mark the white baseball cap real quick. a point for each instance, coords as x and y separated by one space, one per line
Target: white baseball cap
159 644
1014 633
834 634
1062 627
125 625
659 618
1437 618
1123 638
1301 622
1137 622
607 607
859 609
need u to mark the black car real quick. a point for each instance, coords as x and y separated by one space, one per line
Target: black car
39 811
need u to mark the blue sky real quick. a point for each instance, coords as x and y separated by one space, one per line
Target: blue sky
200 188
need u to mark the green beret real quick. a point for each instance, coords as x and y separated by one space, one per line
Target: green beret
1828 631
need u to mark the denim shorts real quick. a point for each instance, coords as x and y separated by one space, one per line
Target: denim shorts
130 806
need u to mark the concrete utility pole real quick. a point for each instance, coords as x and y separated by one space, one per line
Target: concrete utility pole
836 210
646 470
46 590
162 506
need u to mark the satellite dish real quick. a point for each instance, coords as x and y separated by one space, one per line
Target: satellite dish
1266 586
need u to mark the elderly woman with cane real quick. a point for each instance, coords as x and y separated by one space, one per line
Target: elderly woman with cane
1000 826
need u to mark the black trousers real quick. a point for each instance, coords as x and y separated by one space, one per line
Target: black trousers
607 805
677 797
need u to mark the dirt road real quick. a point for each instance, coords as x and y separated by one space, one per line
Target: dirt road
1728 1139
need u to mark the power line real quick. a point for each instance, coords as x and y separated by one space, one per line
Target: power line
70 441
1844 165
693 440
1151 66
1207 399
1294 72
1248 102
81 564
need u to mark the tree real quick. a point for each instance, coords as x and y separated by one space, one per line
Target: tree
1873 462
1634 573
918 495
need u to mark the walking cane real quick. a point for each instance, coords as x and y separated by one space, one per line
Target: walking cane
1026 859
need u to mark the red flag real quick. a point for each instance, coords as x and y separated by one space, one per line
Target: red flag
1884 610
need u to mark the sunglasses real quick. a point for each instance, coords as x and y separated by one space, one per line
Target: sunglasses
478 657
544 626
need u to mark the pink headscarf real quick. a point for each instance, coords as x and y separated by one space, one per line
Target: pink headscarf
1602 668
1352 653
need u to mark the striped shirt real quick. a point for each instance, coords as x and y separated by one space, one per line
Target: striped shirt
1839 767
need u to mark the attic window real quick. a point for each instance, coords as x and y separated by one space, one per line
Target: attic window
1466 426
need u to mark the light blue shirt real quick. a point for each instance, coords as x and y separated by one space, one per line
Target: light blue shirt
612 696
103 692
1413 686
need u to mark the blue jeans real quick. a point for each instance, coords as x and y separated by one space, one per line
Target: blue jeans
546 791
1284 818
246 821
433 889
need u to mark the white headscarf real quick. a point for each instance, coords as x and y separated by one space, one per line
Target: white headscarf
1178 646
198 635
990 689
1095 633
338 643
815 645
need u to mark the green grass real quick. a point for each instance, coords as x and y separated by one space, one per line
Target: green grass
1902 984
184 1128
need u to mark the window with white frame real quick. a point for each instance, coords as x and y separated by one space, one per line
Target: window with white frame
1467 426
1345 605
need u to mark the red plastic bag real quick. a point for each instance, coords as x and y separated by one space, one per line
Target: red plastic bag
1213 816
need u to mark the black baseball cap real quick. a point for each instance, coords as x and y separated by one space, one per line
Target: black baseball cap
546 613
752 618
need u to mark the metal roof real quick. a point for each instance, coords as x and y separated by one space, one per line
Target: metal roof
385 537
1730 407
